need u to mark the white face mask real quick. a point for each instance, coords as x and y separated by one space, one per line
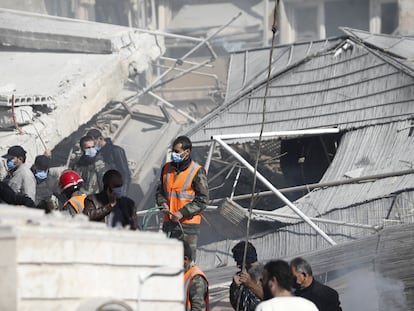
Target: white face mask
176 157
90 152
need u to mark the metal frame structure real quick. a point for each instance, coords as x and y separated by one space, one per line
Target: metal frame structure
220 140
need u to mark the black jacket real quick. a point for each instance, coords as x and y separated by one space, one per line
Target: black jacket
324 297
115 157
8 196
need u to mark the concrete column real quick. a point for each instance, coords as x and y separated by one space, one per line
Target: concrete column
406 17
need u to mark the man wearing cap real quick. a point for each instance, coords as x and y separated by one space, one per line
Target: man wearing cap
48 196
19 176
246 291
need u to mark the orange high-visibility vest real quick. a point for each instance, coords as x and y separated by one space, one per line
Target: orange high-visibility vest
178 190
77 202
188 277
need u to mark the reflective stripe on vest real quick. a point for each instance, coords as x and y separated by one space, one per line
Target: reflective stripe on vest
178 189
77 202
188 277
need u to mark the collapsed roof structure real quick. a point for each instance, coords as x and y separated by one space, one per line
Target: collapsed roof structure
361 84
58 73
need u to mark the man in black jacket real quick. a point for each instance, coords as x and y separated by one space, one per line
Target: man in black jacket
114 156
110 205
7 195
324 297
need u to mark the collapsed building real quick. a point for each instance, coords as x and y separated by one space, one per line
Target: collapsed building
356 215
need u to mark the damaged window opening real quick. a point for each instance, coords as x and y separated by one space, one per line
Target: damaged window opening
285 163
307 159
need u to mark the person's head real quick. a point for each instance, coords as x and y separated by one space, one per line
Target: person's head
69 182
276 279
302 272
41 167
97 137
87 145
181 149
15 157
238 253
112 181
188 257
256 272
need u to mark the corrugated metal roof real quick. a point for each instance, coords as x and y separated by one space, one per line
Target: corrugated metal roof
346 89
397 45
249 68
374 150
380 259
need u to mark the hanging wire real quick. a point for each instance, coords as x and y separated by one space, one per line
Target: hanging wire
255 195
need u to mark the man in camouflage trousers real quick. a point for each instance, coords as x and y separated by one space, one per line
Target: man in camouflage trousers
182 194
195 284
90 166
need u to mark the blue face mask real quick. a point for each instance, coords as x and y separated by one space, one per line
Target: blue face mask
11 164
176 157
98 148
117 191
91 152
40 175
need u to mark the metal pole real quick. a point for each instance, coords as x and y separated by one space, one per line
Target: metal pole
322 220
168 35
275 191
210 155
323 184
281 133
210 36
181 59
172 106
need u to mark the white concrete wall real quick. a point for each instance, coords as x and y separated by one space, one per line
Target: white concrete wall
58 263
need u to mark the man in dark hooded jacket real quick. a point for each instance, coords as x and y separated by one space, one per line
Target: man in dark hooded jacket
114 157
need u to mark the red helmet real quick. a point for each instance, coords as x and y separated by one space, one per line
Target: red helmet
68 179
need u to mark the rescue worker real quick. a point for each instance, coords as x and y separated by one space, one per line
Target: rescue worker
48 195
110 205
70 184
90 166
19 176
324 297
114 157
195 284
183 194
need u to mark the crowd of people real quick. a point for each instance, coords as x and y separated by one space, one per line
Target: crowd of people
96 185
278 285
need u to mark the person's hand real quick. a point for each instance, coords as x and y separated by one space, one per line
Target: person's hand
236 279
48 153
112 198
165 207
176 216
245 279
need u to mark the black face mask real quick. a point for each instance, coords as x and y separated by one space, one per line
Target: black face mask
295 286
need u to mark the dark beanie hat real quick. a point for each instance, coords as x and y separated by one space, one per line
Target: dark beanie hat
238 251
42 162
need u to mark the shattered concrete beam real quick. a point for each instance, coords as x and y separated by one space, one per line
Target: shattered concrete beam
54 42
